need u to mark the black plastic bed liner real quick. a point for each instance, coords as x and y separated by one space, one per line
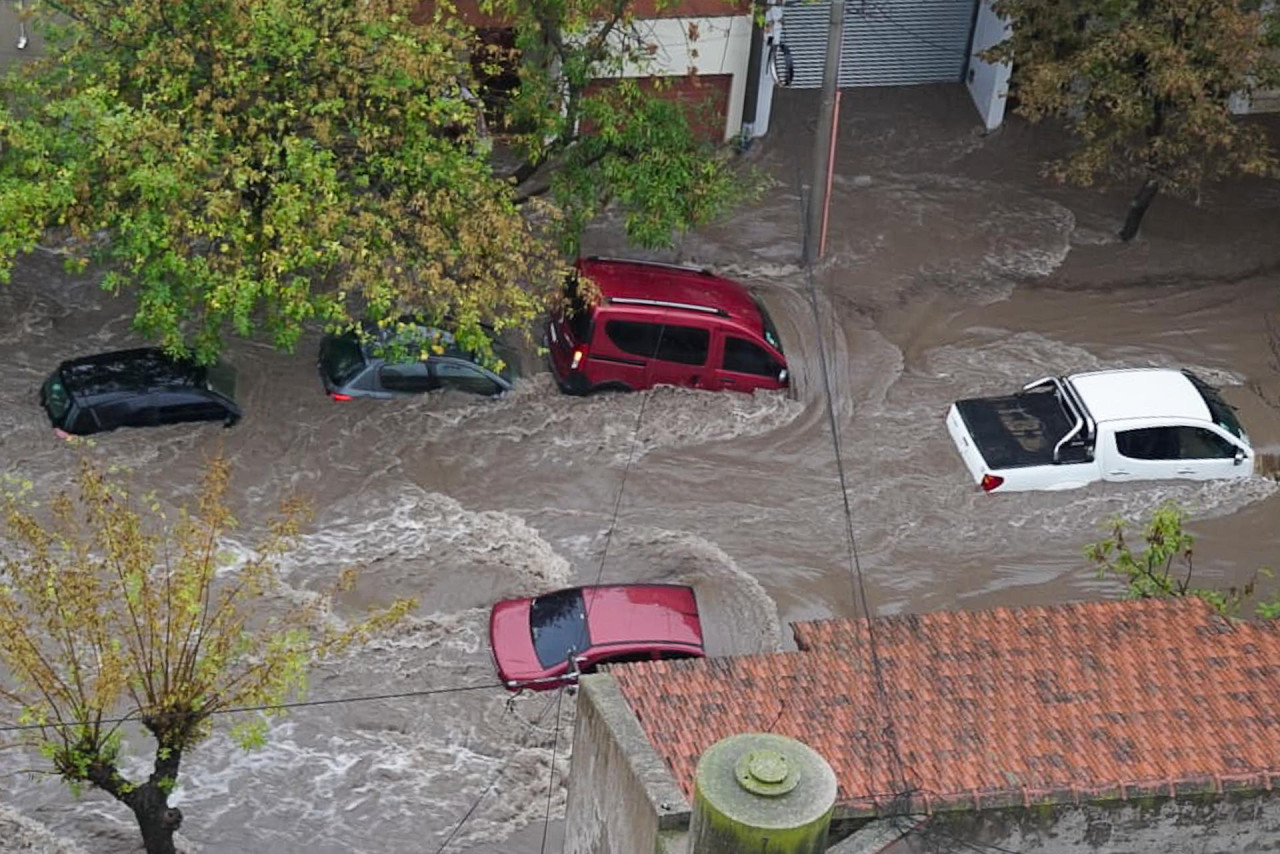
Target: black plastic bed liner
1019 430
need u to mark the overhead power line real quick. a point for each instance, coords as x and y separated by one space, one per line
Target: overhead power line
882 14
551 776
855 564
503 767
269 707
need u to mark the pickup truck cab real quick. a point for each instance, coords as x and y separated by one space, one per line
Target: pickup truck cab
1118 425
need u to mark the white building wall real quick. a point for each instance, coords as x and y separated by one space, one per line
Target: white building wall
988 83
764 92
722 46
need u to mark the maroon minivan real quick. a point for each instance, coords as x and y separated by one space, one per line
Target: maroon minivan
662 324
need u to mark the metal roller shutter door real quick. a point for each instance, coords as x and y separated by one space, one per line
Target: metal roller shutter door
886 42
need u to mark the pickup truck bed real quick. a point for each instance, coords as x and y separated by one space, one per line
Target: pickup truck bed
1018 430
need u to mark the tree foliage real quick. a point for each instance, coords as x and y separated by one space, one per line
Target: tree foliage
591 132
1164 566
109 610
249 166
253 165
1146 86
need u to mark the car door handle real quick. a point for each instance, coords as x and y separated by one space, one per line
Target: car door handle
1186 471
1117 472
728 380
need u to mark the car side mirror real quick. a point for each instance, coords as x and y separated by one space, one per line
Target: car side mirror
1241 456
782 375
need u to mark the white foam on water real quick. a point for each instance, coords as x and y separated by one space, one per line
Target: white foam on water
983 238
406 541
994 361
551 426
946 512
387 774
738 616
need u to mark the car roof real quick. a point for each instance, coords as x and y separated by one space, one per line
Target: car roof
635 613
129 371
411 331
1140 393
625 279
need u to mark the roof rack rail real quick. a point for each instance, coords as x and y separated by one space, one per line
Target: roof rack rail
661 303
690 268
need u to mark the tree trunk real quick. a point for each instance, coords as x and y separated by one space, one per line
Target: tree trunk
1138 209
156 819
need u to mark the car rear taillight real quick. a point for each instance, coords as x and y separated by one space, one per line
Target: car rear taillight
991 482
336 396
579 353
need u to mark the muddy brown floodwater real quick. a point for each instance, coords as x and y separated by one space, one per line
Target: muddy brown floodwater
952 270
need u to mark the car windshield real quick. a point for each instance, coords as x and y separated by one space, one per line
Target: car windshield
343 358
1222 413
558 623
770 331
56 399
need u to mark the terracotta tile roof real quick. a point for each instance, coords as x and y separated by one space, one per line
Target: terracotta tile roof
1101 700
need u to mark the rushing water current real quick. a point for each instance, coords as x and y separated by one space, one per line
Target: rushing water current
952 269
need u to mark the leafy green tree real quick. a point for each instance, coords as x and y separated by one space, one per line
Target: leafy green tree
108 611
1145 85
590 136
252 166
1164 566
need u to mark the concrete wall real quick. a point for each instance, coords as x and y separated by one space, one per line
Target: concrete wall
1213 824
622 798
988 84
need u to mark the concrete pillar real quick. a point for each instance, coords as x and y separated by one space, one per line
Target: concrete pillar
756 793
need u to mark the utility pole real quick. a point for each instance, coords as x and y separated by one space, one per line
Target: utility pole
815 232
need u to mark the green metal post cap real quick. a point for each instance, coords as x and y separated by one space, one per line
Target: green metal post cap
766 772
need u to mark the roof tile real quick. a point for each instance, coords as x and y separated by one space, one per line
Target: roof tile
1083 700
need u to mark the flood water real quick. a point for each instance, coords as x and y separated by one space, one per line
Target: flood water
952 270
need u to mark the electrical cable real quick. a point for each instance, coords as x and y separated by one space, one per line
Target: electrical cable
860 589
883 15
268 707
551 776
617 503
927 830
493 782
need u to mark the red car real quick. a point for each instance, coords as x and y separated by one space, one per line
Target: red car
662 324
545 642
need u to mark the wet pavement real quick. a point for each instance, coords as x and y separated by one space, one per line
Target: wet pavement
953 269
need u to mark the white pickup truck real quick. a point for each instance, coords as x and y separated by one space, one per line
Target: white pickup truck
1064 432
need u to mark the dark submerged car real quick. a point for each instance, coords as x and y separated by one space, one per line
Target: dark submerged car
407 359
137 388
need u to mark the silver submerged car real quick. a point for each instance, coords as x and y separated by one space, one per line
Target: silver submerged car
354 366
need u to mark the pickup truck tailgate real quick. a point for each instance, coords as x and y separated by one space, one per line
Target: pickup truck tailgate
965 445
